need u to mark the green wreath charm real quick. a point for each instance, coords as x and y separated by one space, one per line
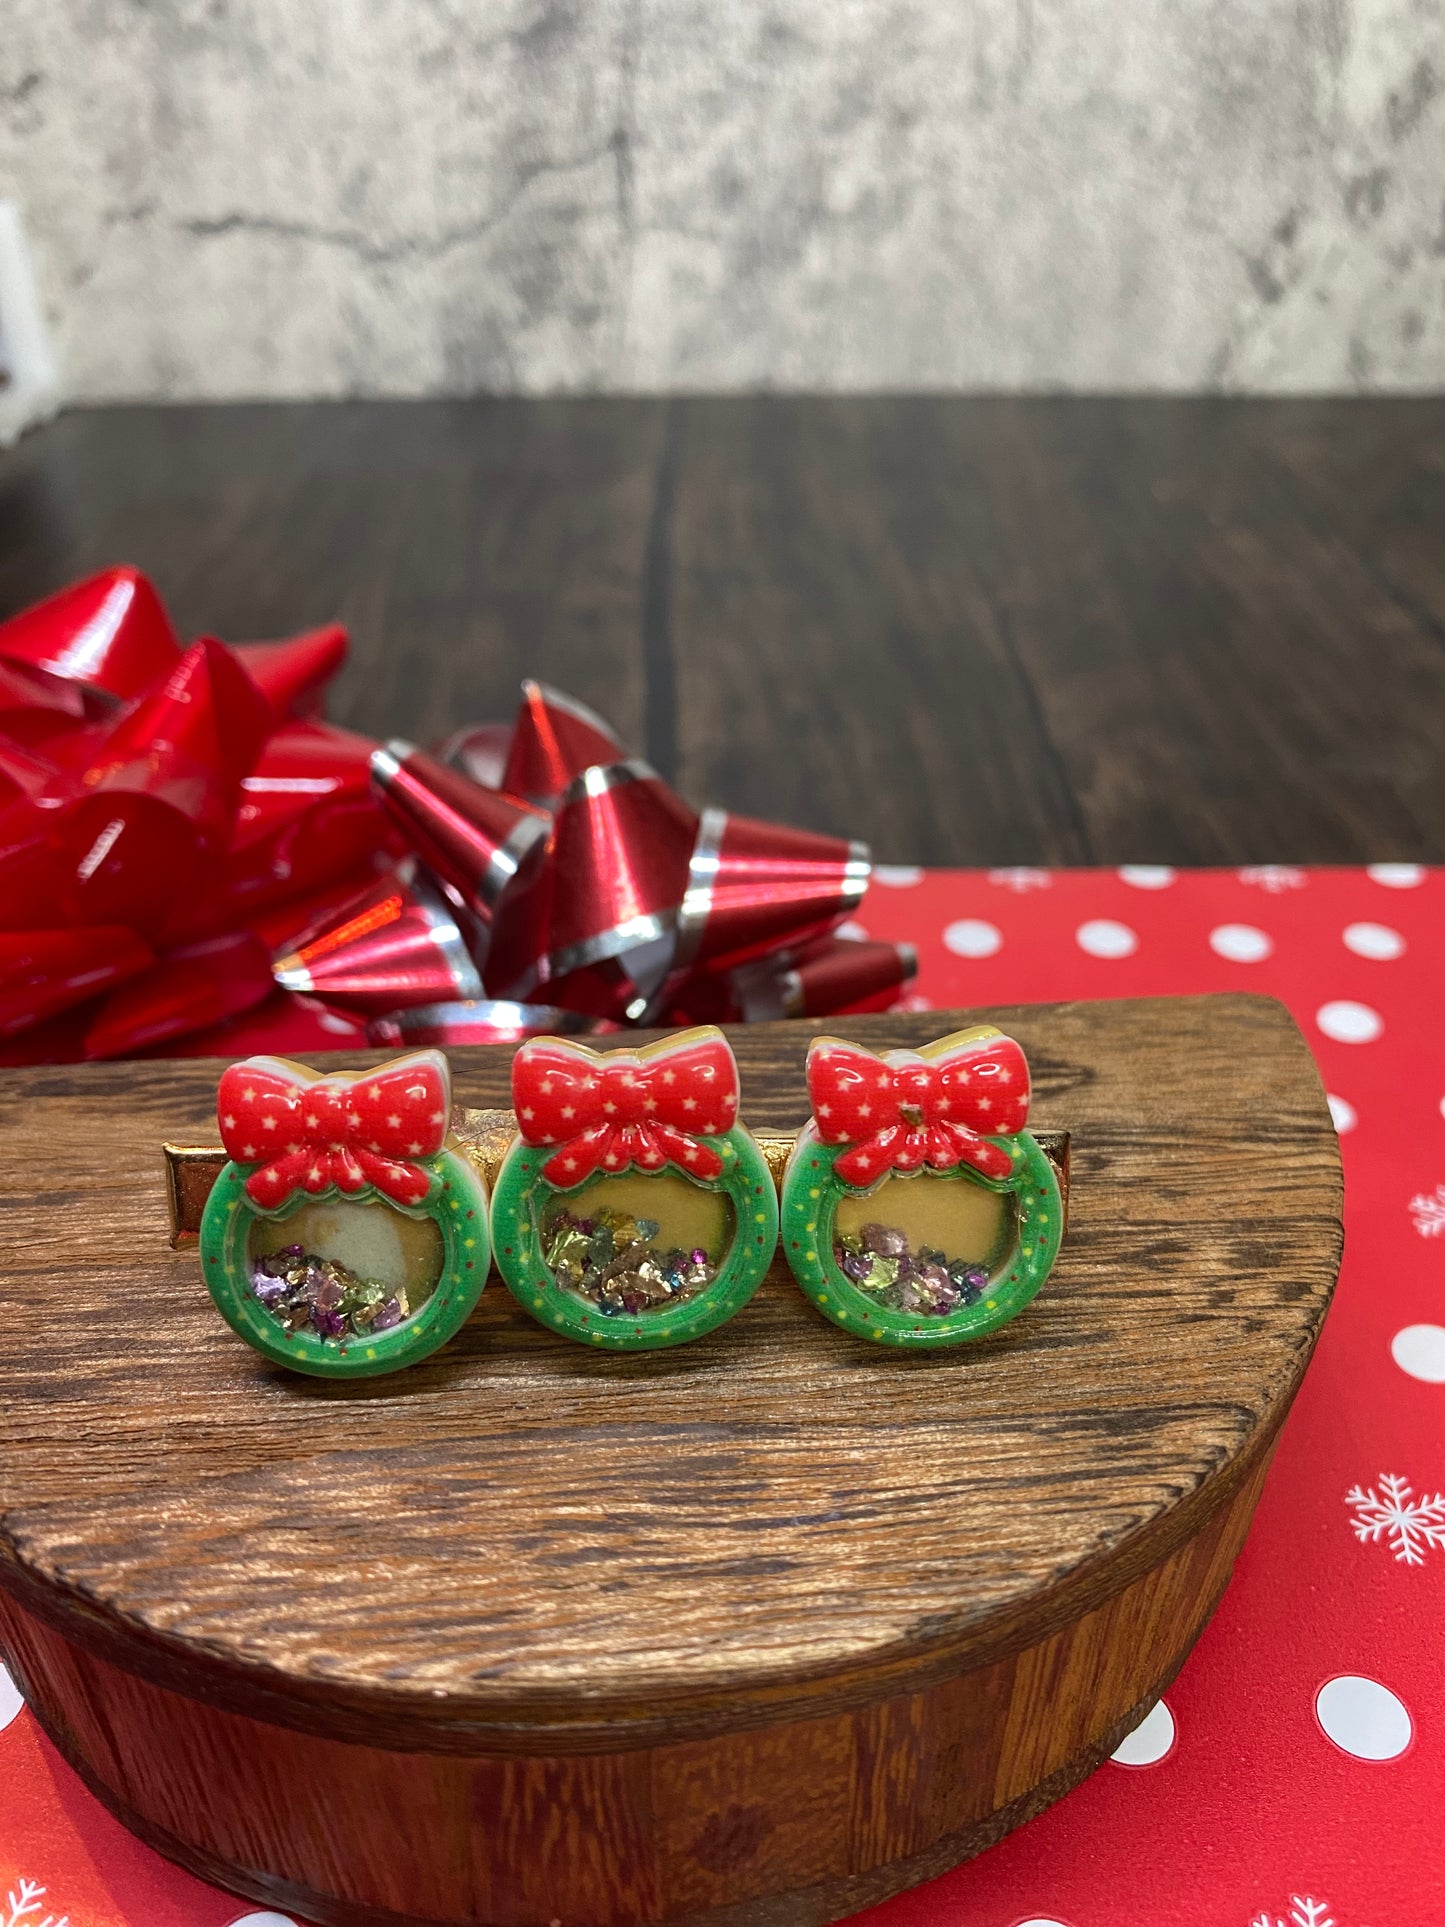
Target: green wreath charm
917 1210
343 1239
632 1210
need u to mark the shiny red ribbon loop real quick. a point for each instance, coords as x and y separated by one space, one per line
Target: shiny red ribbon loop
902 1111
348 1130
648 1108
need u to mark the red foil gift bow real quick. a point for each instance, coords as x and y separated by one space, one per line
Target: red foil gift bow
646 1108
172 792
398 942
904 1110
109 633
346 1130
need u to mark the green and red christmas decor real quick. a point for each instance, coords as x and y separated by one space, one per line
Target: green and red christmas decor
632 1209
917 1210
344 1238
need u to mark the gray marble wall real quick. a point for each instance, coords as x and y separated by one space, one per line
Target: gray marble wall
322 197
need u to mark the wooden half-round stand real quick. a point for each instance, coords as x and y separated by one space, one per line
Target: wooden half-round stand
758 1630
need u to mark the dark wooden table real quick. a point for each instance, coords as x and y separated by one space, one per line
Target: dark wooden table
970 631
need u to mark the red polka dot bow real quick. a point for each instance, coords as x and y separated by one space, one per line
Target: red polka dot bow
348 1130
902 1111
647 1108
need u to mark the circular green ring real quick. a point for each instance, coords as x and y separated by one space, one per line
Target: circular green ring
807 1238
517 1245
456 1201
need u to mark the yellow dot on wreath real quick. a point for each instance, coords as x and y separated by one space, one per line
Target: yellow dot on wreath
762 1217
536 1301
814 1225
816 1192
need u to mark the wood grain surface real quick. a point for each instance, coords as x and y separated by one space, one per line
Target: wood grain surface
1001 630
752 1631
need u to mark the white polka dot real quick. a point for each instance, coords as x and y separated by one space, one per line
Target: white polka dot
1349 1023
1240 943
1343 1112
1375 940
914 1001
339 1026
10 1700
852 930
1420 1351
1150 1741
1147 876
972 937
1104 938
263 1920
1362 1717
1442 1107
1397 876
897 876
1040 1920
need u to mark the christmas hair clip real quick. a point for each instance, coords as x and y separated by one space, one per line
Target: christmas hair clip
345 1237
633 1210
917 1210
345 1227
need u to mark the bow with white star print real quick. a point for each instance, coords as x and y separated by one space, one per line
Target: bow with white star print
646 1109
905 1110
345 1130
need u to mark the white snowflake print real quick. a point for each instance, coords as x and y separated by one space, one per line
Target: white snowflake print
23 1909
1410 1526
1303 1912
1427 1208
1274 877
1020 879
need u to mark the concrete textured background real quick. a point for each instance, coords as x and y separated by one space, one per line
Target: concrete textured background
264 198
